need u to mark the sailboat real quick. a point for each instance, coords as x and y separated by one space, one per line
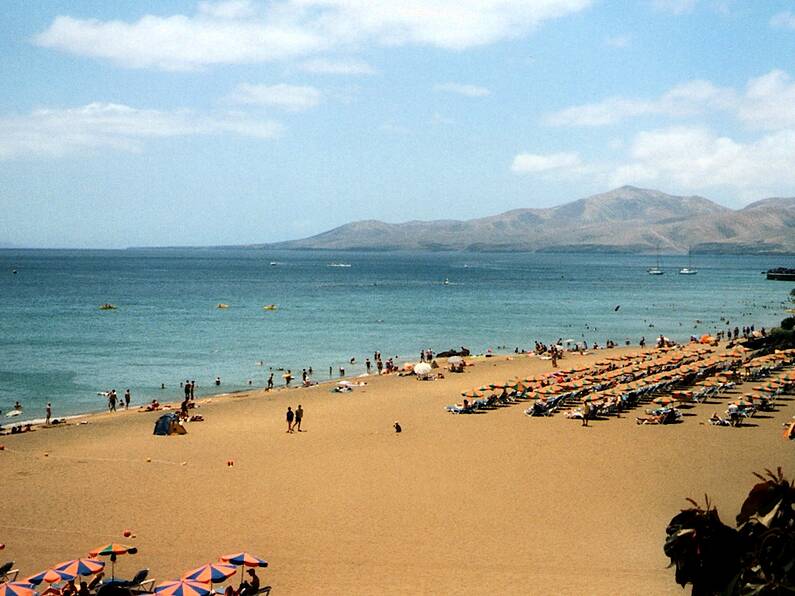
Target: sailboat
656 269
689 269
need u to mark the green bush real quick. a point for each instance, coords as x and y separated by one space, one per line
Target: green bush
756 558
788 323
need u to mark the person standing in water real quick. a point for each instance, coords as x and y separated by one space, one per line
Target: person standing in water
270 382
127 398
48 413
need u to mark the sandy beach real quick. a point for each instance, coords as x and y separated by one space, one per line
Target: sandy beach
495 502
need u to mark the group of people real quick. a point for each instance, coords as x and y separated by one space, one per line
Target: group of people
294 419
113 399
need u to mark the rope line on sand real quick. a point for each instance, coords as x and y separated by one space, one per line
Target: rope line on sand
50 530
81 458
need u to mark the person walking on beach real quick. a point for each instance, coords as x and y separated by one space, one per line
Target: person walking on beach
127 397
299 415
304 377
187 389
192 389
290 417
112 400
270 382
48 413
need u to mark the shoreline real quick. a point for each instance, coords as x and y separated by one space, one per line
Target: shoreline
452 504
6 423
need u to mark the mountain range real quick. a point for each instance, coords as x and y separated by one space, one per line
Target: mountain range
627 219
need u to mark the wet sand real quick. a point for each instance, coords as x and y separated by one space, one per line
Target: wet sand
495 502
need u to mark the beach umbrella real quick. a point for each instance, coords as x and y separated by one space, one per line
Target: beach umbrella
423 368
81 566
51 576
17 589
182 587
664 400
473 394
112 550
742 403
211 573
244 559
455 360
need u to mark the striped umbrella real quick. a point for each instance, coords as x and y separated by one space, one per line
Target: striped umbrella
81 566
112 550
474 394
244 559
17 589
211 573
182 587
664 400
51 576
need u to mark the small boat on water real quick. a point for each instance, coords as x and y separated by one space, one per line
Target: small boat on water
339 265
270 307
274 263
656 269
446 282
689 270
781 274
107 306
222 305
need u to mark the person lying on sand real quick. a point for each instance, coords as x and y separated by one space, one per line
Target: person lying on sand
155 405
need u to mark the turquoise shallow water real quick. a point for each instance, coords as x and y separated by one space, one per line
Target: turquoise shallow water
55 344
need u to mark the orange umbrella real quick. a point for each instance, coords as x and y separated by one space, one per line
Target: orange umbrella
182 588
211 573
112 550
17 589
81 566
51 576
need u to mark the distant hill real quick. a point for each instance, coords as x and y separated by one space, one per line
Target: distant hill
626 219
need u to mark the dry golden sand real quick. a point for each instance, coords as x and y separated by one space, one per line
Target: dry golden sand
495 502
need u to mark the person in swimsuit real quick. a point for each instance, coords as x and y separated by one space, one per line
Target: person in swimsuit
299 414
290 417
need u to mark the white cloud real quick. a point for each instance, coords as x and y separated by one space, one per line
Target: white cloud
694 158
688 99
293 98
179 42
785 20
675 6
240 31
769 102
228 9
57 132
461 89
532 163
618 41
337 67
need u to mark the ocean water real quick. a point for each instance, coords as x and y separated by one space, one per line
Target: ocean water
56 345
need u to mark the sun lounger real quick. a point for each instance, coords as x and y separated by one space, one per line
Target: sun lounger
8 573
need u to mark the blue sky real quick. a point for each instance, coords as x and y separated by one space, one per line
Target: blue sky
246 121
